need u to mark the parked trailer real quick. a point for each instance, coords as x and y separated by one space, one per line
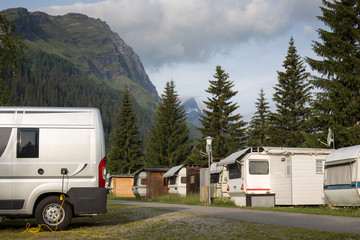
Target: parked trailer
148 183
342 177
49 152
268 176
183 179
218 181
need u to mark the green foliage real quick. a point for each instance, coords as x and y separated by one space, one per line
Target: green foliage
292 96
168 144
258 127
12 50
219 120
125 155
338 101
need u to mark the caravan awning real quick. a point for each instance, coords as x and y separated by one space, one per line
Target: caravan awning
172 171
343 155
233 157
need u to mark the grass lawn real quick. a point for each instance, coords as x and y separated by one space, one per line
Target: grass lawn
131 222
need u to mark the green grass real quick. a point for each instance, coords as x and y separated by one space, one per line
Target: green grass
131 222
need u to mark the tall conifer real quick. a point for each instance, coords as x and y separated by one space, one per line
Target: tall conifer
258 127
168 144
219 119
338 101
292 96
125 155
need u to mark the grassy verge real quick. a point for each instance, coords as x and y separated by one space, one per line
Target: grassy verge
193 199
131 222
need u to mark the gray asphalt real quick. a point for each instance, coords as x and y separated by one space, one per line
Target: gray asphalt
308 221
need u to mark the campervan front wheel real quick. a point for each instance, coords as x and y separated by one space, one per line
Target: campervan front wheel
54 213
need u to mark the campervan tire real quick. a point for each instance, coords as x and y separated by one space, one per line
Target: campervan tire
46 213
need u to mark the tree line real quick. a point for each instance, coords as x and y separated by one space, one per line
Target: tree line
300 118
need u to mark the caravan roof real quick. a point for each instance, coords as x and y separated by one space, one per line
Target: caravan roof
172 171
344 155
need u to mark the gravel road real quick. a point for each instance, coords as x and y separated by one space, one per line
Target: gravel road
309 221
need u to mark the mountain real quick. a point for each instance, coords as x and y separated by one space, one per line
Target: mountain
75 60
192 110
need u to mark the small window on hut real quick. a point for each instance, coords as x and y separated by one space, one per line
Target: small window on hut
234 171
319 166
259 167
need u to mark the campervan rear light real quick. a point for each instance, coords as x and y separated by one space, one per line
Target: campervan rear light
242 186
102 172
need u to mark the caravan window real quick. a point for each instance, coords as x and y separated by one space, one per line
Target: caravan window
234 171
214 177
183 179
28 143
4 139
339 174
259 167
172 180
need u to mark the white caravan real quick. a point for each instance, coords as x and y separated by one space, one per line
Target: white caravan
342 177
49 152
140 186
218 181
176 180
268 176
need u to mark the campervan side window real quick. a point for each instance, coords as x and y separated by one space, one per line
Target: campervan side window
259 167
339 174
183 179
172 180
234 171
4 139
214 178
28 143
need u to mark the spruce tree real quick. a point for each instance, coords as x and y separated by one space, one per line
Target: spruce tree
12 50
292 96
219 119
257 129
338 101
125 155
168 144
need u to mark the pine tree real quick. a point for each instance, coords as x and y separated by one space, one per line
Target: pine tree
257 129
219 119
338 101
168 144
292 96
12 50
125 155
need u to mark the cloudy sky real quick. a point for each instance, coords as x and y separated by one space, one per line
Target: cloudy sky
185 40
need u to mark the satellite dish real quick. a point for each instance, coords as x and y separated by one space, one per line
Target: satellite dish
330 137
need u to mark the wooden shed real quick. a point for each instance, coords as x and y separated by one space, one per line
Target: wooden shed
148 183
122 185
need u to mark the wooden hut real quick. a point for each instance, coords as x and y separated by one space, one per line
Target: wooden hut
148 183
121 185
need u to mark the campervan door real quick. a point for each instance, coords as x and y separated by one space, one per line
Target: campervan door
256 174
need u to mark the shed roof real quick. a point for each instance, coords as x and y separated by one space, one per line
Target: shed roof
172 171
343 155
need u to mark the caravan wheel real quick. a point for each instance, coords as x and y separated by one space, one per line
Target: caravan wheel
51 213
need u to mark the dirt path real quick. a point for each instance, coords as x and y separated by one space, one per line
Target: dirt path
308 221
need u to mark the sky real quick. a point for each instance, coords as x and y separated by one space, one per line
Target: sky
184 40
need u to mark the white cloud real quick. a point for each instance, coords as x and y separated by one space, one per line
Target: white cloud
164 32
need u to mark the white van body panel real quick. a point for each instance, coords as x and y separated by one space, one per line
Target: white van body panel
67 138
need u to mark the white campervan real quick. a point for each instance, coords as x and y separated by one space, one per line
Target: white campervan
49 152
268 176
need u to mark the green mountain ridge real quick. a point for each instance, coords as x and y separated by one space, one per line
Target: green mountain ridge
75 60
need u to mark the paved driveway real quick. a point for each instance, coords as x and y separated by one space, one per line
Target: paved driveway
308 221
